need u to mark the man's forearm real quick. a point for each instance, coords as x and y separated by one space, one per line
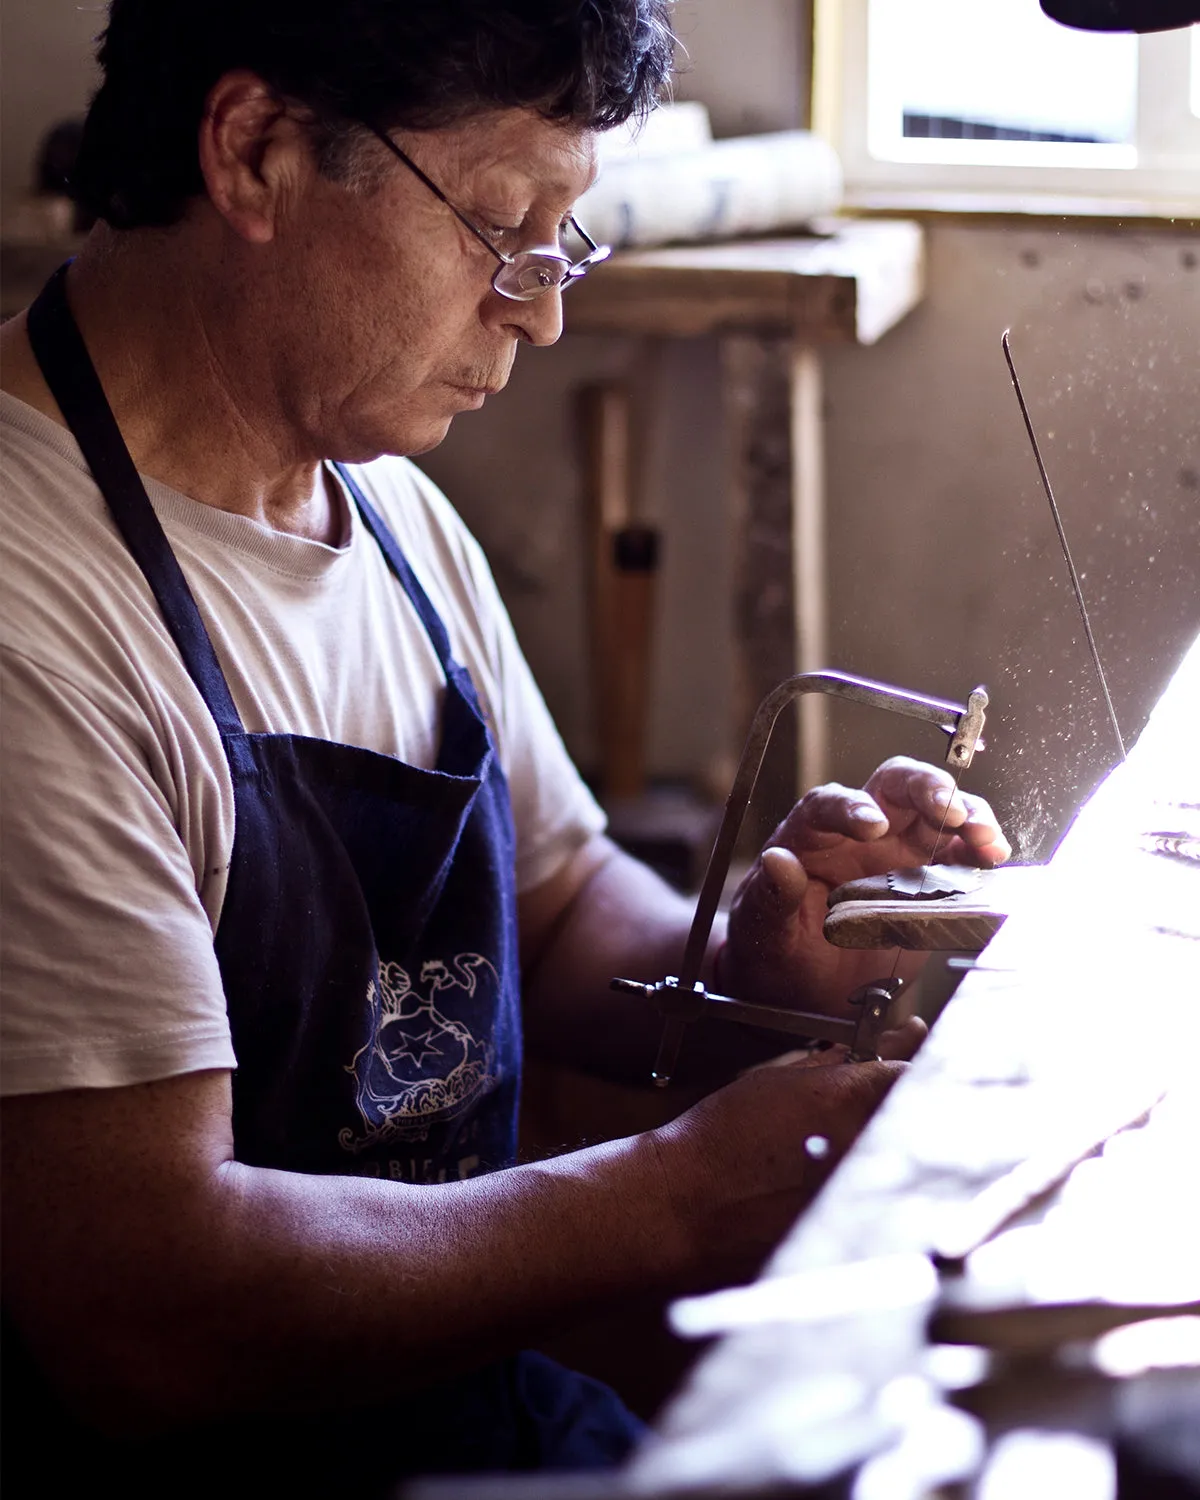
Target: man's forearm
182 1295
622 921
451 1275
625 921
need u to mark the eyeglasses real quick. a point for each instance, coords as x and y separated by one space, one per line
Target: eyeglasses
528 273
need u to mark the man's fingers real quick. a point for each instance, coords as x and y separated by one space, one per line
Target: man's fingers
876 1078
768 914
827 814
900 1043
902 795
977 840
838 1097
805 1057
783 878
982 833
770 894
851 1094
750 1157
911 785
904 785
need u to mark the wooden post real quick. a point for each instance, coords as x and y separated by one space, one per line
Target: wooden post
809 560
773 386
624 561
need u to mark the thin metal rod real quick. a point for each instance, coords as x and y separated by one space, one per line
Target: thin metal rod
1062 537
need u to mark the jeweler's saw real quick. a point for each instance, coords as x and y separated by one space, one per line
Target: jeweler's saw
683 998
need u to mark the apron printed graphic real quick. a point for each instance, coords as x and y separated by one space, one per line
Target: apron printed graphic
422 1067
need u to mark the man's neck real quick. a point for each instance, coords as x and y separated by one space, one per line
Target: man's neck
192 396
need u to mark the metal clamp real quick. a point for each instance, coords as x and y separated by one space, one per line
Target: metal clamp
678 1006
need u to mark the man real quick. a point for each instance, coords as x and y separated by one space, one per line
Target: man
292 841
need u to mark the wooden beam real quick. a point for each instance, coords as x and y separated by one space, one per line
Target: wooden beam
849 283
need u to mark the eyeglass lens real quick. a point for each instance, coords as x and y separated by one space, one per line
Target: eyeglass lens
530 273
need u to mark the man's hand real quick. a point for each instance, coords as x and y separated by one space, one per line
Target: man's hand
775 953
737 1166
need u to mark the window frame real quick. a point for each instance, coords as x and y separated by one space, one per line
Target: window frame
1167 135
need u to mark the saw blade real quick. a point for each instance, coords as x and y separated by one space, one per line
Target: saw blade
931 882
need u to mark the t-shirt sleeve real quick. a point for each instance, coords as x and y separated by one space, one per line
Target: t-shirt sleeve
109 975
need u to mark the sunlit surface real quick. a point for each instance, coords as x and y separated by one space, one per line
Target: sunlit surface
1044 1464
946 76
1060 1080
939 1446
1160 1344
1195 70
828 1292
1148 1254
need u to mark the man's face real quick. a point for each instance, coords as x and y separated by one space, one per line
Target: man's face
384 321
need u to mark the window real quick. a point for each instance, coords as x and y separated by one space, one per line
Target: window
990 97
1195 70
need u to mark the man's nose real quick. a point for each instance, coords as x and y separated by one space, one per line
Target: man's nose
538 322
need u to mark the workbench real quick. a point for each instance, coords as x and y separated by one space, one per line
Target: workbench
774 304
1081 1013
1053 1359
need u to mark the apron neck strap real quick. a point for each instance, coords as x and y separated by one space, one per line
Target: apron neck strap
68 370
400 567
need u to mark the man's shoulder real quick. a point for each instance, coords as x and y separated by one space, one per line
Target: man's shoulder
47 486
35 449
56 528
73 602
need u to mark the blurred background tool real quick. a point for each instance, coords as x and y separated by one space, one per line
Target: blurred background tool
625 553
668 826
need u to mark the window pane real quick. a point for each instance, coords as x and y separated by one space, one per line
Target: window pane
983 79
1196 70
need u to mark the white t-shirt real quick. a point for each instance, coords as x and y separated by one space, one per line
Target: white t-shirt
117 806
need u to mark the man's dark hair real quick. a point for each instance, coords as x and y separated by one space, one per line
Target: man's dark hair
415 64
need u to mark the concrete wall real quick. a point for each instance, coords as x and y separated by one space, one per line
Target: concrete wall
945 567
46 75
747 61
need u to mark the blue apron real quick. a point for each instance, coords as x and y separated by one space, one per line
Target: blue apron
368 949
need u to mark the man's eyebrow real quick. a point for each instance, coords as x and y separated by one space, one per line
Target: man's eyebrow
565 185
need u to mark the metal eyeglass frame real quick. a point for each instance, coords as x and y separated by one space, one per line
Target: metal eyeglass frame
550 268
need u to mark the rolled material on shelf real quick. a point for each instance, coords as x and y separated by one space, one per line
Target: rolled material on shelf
670 130
746 185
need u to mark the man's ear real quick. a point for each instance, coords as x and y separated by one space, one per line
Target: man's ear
254 154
